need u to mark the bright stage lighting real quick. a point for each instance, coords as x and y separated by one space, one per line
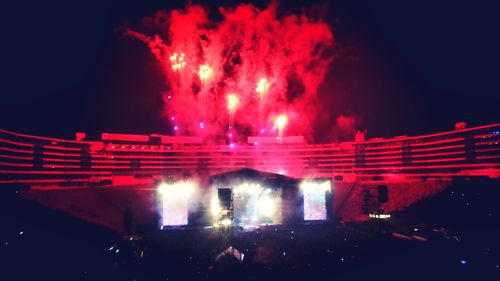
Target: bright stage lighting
266 206
215 208
315 199
174 202
256 205
250 188
226 222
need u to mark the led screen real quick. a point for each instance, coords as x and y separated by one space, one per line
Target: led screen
175 211
315 199
314 206
174 203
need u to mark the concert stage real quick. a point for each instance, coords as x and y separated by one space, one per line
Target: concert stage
102 180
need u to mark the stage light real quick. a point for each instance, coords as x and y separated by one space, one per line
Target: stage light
226 222
314 186
215 208
381 216
255 204
250 188
266 206
182 188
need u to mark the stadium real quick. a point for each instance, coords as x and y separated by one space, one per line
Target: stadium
249 140
365 178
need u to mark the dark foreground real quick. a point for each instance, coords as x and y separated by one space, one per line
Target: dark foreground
453 235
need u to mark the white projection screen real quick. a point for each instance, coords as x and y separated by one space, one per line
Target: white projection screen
315 200
174 199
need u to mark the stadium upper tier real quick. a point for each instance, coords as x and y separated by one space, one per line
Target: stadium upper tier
26 159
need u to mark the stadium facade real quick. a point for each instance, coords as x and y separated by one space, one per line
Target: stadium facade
370 177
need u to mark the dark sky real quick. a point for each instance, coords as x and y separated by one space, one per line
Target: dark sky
403 67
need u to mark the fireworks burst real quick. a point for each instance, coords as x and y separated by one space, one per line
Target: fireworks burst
177 62
232 104
262 88
205 73
241 53
280 123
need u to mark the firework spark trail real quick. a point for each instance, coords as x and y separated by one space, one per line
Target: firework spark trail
272 65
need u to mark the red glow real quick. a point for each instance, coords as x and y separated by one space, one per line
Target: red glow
274 64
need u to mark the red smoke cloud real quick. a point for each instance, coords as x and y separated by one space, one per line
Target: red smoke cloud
267 65
345 127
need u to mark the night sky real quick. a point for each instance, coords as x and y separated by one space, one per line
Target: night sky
402 68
